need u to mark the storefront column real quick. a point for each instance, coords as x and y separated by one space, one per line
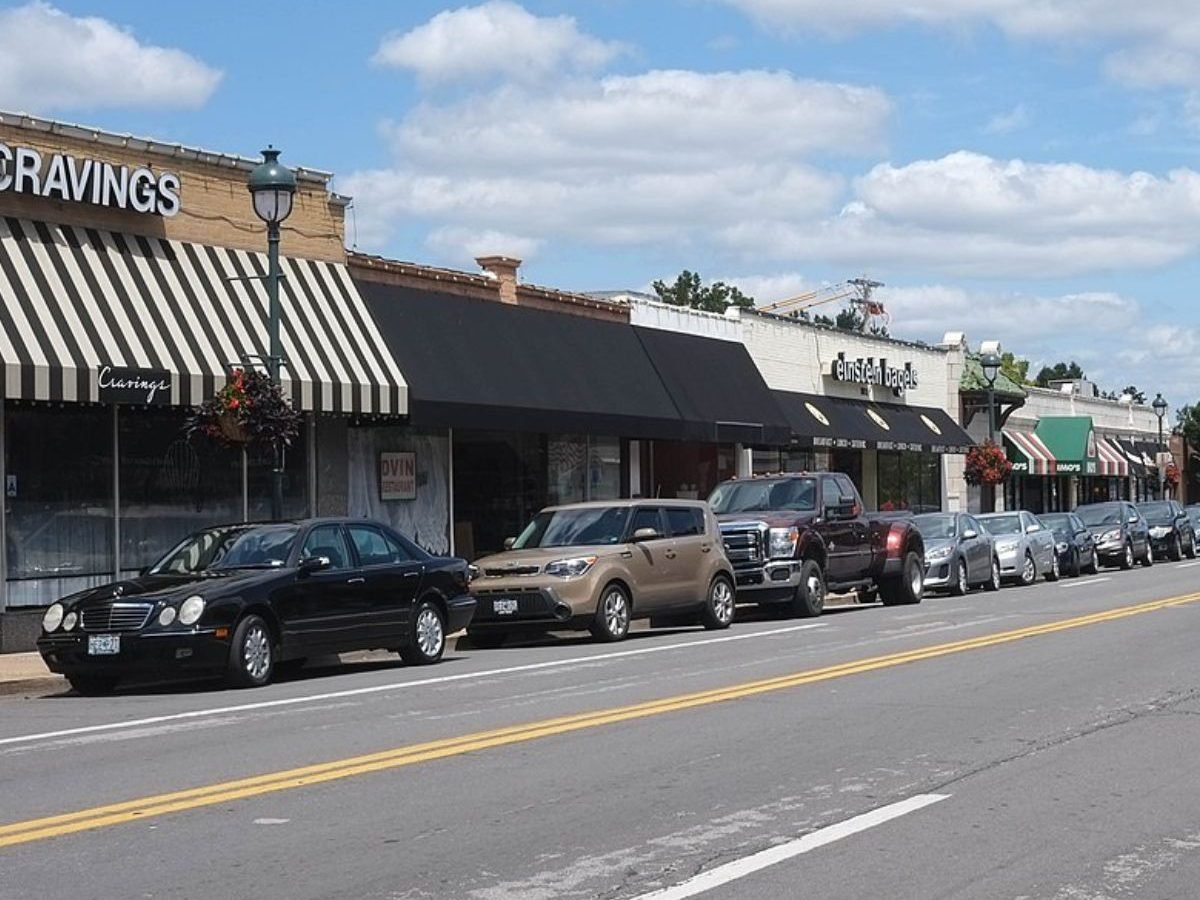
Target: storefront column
743 461
116 490
450 488
1072 493
635 469
870 479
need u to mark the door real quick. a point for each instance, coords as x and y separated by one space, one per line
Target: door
976 550
859 561
1138 529
650 563
837 533
391 581
1041 540
326 609
693 561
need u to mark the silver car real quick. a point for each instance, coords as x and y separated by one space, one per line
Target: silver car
1024 545
959 553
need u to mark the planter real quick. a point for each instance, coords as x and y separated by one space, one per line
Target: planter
232 429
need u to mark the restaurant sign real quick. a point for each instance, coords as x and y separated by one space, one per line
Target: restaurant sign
60 176
872 371
397 476
145 387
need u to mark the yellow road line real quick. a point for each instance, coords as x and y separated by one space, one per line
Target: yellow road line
224 792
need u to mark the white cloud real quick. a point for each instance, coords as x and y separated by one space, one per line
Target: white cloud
462 243
666 156
50 60
1007 122
494 38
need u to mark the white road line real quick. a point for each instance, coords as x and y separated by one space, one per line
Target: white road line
1188 565
756 862
405 685
1075 584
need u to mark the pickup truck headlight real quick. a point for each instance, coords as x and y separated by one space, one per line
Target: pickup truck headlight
938 553
570 568
1112 535
783 542
53 617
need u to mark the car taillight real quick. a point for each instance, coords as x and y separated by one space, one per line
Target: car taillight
894 540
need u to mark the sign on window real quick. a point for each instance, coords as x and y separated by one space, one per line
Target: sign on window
397 476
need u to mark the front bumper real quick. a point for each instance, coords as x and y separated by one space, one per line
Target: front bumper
507 607
774 581
938 574
1111 550
142 654
1011 562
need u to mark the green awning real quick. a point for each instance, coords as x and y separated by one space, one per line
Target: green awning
1072 440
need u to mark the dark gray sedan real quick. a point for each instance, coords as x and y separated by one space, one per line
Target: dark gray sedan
959 553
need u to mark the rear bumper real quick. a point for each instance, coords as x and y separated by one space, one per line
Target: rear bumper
459 612
146 655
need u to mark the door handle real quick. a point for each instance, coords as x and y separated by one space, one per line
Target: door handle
669 554
411 574
626 554
356 580
705 548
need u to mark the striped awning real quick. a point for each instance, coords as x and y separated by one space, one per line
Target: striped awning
1112 458
77 300
1029 452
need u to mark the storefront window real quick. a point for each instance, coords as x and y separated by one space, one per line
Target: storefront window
690 471
791 460
849 462
59 480
911 481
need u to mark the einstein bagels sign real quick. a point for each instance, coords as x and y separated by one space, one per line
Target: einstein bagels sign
872 371
60 176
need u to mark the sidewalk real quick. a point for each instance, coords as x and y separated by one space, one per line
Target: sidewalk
25 671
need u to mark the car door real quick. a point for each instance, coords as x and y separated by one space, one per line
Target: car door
649 562
836 532
689 581
859 560
1138 530
975 549
328 608
392 579
1082 536
1040 540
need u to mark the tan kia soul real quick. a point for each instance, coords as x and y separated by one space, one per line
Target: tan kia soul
599 565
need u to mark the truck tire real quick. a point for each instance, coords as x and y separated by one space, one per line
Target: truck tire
809 600
908 587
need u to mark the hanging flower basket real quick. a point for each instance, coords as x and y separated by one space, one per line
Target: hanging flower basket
248 411
987 464
1171 474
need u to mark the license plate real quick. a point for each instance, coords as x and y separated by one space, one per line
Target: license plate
504 607
104 644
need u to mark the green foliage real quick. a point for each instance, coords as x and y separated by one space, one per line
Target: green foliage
1139 397
689 290
1014 369
1188 425
1059 372
848 319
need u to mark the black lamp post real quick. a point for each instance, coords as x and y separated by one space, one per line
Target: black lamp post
991 368
272 187
1160 410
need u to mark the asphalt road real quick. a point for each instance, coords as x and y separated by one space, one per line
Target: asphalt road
1036 743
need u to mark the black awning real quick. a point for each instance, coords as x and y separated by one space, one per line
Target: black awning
481 364
1128 447
839 422
717 389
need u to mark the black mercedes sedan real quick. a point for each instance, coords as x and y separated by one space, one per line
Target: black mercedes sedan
242 601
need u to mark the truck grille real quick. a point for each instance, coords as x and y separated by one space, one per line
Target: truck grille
744 547
116 617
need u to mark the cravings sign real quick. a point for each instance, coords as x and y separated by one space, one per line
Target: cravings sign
61 176
872 371
148 387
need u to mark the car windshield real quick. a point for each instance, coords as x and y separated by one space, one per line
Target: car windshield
1193 515
1100 514
1059 523
586 526
764 494
1002 524
232 547
1157 513
934 527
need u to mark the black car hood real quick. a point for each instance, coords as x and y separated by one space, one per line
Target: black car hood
168 587
773 518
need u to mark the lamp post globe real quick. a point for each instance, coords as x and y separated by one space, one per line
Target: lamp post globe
1160 410
272 188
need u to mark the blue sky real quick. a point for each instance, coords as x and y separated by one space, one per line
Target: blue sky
1020 169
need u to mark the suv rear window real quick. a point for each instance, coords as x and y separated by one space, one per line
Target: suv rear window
685 521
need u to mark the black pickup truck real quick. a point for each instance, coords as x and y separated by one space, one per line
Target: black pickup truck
794 538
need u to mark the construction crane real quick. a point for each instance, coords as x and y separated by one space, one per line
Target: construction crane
857 290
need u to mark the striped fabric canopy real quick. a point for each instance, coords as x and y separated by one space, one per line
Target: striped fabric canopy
1033 450
1112 458
78 299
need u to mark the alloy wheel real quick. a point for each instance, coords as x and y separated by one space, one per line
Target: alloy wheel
1029 572
616 612
256 652
1055 568
916 580
430 633
721 599
963 585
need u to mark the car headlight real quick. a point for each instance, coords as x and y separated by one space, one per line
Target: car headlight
473 572
70 620
1112 535
191 610
938 553
53 617
1061 547
570 568
167 616
783 542
1006 546
1159 532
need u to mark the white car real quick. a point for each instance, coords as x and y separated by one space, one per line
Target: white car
1024 546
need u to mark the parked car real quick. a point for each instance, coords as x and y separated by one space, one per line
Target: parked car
791 538
1171 531
1024 545
1193 514
243 600
959 553
1074 542
1121 533
599 565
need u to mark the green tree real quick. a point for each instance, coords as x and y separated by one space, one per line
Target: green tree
848 319
1139 397
1015 370
1059 372
690 290
1188 425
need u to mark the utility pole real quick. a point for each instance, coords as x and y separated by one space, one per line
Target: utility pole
865 286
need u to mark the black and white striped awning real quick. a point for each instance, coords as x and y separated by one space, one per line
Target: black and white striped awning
77 300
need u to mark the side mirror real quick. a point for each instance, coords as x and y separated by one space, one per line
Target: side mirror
970 534
1033 529
1132 520
836 511
508 543
314 564
646 534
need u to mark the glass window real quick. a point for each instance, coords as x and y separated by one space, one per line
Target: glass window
685 521
764 494
831 493
580 527
910 481
330 542
374 547
604 468
265 546
646 517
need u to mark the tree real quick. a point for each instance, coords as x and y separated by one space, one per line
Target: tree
1059 372
848 319
1188 425
1015 370
1139 397
689 290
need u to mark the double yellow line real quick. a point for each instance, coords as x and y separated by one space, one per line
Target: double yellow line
305 776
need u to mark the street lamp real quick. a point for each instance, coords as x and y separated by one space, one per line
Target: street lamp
1160 410
272 188
990 362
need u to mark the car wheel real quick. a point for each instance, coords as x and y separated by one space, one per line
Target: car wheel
960 585
1028 570
1190 549
1055 569
92 685
426 635
1127 557
613 612
1148 556
808 601
1076 563
1093 568
720 605
1176 551
993 583
251 653
909 587
487 639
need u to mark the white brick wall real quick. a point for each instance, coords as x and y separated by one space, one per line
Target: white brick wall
650 314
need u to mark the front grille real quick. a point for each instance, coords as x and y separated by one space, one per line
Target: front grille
502 571
116 617
744 547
